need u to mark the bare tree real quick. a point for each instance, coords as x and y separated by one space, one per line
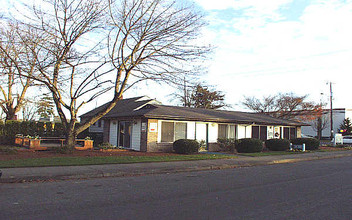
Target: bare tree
286 106
92 46
267 104
182 95
16 62
320 123
29 110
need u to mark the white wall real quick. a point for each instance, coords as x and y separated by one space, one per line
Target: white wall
113 132
136 135
244 131
191 130
338 117
213 132
348 113
201 131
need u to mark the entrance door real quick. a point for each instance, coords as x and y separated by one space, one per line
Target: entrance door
125 128
263 133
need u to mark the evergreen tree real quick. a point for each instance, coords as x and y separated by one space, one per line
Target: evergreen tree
346 126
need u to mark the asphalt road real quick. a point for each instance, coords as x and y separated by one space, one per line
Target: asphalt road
320 189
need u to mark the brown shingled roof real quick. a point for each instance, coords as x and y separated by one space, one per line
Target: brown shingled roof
138 107
198 114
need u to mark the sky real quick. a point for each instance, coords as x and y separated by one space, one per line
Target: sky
263 48
266 47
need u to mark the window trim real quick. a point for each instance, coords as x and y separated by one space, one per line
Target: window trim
160 122
228 129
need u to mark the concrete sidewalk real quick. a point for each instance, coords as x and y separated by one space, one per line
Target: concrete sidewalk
15 175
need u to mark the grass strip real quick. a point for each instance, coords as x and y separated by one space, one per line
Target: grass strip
270 153
79 161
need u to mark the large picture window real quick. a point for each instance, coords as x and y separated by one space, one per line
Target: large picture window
232 131
167 131
180 130
172 131
222 131
226 131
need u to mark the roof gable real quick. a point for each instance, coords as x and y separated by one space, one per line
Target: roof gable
123 107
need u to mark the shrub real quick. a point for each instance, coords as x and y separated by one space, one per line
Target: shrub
186 146
277 144
106 145
249 145
311 143
227 144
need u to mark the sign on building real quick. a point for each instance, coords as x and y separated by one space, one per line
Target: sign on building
153 127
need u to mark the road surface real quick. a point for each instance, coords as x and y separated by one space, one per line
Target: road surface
320 189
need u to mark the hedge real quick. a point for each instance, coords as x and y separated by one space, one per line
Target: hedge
277 144
9 129
186 146
249 145
311 143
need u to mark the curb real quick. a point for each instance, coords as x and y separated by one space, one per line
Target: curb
163 171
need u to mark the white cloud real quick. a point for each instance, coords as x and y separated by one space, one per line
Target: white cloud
259 56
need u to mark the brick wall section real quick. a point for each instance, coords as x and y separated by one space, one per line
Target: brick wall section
213 147
106 131
163 147
152 137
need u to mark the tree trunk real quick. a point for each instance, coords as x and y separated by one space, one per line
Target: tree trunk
10 115
319 128
70 139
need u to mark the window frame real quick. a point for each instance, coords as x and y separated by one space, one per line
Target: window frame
161 140
228 130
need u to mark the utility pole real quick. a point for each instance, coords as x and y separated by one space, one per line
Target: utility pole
185 95
331 115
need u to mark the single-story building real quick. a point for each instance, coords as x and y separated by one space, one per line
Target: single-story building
144 124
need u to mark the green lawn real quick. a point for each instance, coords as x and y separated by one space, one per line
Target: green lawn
77 161
270 153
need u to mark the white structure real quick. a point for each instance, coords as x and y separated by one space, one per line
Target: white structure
339 114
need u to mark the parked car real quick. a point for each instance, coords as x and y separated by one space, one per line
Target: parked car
347 140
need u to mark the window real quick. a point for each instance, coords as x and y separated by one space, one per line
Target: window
222 131
180 130
293 133
167 131
286 133
226 131
255 132
172 131
232 131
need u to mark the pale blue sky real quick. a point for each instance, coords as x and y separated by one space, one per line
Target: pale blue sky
266 47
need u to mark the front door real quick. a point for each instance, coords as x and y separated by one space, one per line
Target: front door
125 128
